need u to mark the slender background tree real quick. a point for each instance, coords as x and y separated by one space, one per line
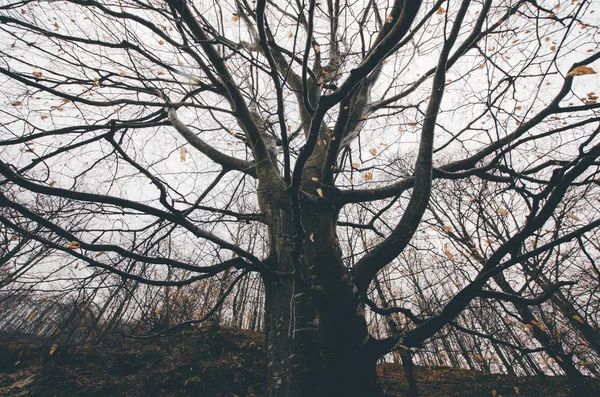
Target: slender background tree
333 149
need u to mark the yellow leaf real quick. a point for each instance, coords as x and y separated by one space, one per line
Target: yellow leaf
356 165
574 217
541 326
315 179
161 42
479 357
73 245
317 48
577 318
503 212
32 315
368 176
581 70
311 237
53 349
182 153
235 18
122 74
449 254
440 11
319 192
373 151
447 228
494 393
516 389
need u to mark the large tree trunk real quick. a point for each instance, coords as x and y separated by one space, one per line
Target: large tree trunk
316 336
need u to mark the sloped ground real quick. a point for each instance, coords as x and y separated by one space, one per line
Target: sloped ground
452 382
210 362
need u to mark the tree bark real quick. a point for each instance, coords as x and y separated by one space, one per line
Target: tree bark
316 336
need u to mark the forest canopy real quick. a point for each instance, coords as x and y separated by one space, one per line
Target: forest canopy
354 179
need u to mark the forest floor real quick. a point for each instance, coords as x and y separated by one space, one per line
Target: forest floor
210 362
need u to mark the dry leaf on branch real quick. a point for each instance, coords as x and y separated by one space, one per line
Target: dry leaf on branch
581 71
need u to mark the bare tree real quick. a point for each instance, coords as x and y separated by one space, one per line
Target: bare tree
167 142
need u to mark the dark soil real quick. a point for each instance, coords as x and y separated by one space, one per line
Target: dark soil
208 362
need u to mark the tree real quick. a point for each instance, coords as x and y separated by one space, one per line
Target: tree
169 142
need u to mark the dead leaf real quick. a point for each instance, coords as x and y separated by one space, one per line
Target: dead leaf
17 103
574 217
581 71
311 237
183 153
578 319
53 349
440 11
235 18
389 19
319 192
73 245
356 165
449 254
317 48
37 74
99 254
373 151
503 212
368 176
314 179
447 228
